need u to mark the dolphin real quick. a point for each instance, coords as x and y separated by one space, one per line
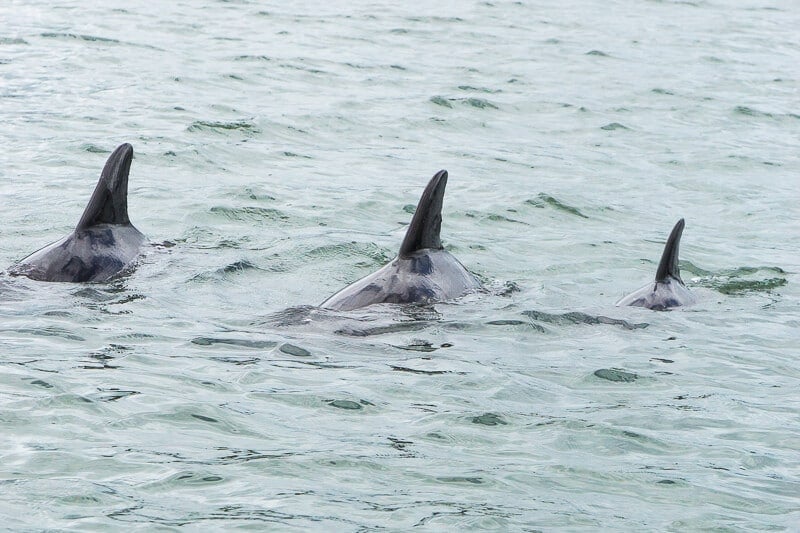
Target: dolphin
103 244
423 271
668 289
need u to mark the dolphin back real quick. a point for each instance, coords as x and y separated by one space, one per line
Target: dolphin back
424 277
426 226
104 243
423 271
668 291
96 254
109 201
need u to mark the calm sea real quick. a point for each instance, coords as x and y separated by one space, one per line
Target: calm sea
280 151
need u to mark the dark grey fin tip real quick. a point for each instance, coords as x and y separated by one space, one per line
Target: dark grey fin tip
109 201
668 266
425 227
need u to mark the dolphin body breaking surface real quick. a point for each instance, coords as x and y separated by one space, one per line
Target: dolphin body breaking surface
423 271
668 289
103 244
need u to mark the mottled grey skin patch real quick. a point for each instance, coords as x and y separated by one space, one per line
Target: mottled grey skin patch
94 254
660 295
423 272
399 282
668 290
104 243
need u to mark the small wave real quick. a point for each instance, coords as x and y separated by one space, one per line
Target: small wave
250 214
252 193
576 317
419 346
293 316
419 371
94 39
81 37
235 455
292 154
461 480
501 288
400 327
517 323
441 101
752 112
745 286
253 58
478 89
239 343
111 395
52 332
226 272
478 103
434 18
238 266
239 125
613 374
489 419
739 281
373 252
500 218
237 360
347 404
543 200
296 351
304 68
494 217
614 126
94 149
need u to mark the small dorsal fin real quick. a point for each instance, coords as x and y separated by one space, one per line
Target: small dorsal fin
109 201
668 266
423 232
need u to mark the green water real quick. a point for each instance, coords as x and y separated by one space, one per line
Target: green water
279 152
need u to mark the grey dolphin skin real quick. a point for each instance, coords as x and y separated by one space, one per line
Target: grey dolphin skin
668 289
423 271
104 242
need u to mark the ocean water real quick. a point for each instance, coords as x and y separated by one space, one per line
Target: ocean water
280 151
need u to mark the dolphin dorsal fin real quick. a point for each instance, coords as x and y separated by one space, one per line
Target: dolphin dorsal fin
109 201
668 266
423 232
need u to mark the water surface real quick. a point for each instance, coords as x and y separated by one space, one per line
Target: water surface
280 150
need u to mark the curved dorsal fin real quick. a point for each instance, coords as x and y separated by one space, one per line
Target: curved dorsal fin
423 232
109 201
668 266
